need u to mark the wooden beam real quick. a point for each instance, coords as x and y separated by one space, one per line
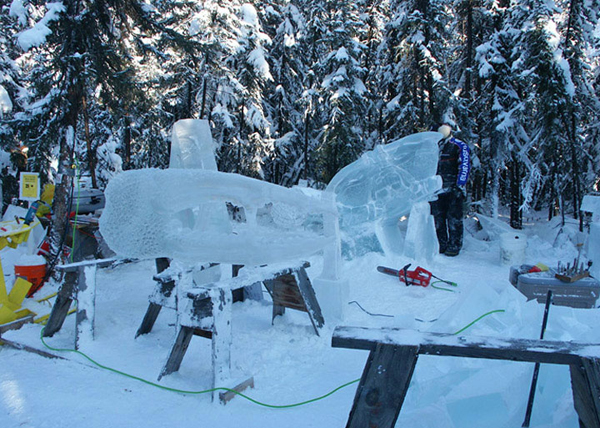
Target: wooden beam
86 305
149 319
178 350
62 304
543 351
16 324
22 347
227 396
383 386
585 382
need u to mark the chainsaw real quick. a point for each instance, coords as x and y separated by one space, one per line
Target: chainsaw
419 276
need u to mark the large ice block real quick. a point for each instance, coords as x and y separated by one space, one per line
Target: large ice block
192 146
377 190
141 218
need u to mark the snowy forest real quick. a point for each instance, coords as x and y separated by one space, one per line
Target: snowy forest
296 89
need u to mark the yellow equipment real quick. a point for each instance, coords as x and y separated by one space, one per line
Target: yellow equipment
13 233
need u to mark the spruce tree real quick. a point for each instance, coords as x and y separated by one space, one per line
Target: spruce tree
82 82
342 92
415 66
285 165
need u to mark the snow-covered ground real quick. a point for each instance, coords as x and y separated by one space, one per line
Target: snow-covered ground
290 364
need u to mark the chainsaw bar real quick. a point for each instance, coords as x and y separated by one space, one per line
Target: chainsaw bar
388 271
419 276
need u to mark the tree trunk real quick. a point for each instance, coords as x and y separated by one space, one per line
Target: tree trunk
127 144
516 215
469 53
90 150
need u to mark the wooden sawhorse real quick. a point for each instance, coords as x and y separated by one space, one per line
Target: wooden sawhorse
394 353
205 311
79 284
289 288
165 292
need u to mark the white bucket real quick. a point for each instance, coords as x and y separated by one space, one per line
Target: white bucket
512 248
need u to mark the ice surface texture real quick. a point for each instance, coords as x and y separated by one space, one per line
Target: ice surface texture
375 191
141 218
192 146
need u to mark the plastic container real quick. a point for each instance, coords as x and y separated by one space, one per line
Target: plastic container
512 248
32 273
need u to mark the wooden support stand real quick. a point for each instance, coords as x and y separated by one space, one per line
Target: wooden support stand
394 353
292 289
79 284
205 311
165 293
165 288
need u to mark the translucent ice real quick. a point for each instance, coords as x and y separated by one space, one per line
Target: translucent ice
376 191
141 218
192 145
591 203
421 240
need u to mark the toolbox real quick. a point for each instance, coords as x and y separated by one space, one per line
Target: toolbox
582 293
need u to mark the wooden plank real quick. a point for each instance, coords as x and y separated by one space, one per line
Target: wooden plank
178 351
162 263
154 308
310 299
27 348
278 310
16 324
285 292
202 307
383 386
85 318
227 396
101 263
585 381
572 278
293 290
221 339
149 319
61 306
543 351
207 334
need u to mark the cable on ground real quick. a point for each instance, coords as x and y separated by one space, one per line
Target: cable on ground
259 403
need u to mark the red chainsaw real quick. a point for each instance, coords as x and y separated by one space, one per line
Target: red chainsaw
419 276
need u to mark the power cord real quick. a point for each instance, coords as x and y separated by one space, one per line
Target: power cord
259 403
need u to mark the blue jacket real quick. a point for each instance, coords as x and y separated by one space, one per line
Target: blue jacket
454 163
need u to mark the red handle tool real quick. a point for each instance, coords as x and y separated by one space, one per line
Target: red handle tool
419 276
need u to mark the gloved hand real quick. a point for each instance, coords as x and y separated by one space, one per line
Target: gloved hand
461 190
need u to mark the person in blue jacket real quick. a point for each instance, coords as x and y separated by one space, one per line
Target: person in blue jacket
454 165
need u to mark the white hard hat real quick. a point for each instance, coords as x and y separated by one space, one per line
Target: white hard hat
445 130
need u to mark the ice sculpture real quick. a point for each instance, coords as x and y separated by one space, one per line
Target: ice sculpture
591 203
192 146
421 241
377 190
141 218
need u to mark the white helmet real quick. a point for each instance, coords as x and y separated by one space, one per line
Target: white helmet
445 130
